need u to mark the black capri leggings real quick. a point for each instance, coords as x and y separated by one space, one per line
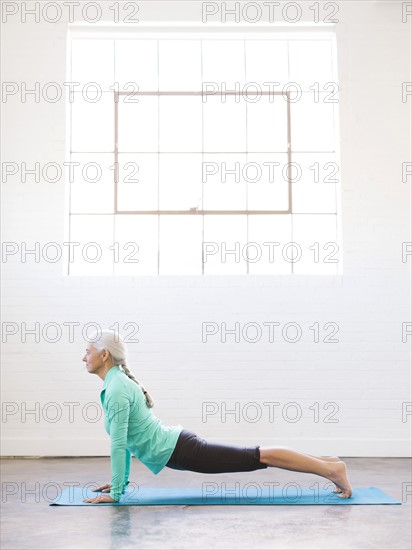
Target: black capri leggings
198 455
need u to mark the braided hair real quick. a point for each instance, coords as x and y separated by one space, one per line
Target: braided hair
148 397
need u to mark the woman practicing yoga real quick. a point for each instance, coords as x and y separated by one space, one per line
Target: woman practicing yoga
135 430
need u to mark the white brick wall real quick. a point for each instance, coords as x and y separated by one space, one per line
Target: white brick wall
367 374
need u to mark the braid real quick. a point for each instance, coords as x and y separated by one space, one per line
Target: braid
148 397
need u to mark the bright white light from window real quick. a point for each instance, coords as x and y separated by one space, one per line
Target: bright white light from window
180 246
136 62
180 65
177 153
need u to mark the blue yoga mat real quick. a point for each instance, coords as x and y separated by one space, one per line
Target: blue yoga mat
144 496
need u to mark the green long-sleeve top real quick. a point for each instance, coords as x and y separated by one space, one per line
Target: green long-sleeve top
133 429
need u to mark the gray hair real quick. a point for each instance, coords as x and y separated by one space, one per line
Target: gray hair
115 345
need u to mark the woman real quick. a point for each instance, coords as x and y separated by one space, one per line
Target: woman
135 430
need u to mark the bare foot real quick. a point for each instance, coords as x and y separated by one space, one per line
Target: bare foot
332 459
339 477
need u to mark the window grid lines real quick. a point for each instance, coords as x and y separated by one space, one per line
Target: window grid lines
248 198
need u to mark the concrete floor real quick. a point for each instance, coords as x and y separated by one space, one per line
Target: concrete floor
29 522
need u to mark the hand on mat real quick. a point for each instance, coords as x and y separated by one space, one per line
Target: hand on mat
103 489
100 499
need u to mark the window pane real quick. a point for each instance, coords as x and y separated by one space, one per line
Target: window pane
180 65
223 62
267 125
92 124
224 124
312 124
317 177
267 61
312 233
270 233
310 61
138 182
224 241
224 187
267 183
92 188
180 124
95 235
180 181
92 61
142 233
138 125
136 61
180 245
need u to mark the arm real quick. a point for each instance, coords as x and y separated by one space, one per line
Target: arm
127 469
118 415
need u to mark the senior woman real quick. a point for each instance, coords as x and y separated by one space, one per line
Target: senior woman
135 430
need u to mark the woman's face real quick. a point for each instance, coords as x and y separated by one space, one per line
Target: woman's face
93 358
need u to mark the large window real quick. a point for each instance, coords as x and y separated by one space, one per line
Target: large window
203 154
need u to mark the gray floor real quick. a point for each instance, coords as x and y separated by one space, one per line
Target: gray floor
29 522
